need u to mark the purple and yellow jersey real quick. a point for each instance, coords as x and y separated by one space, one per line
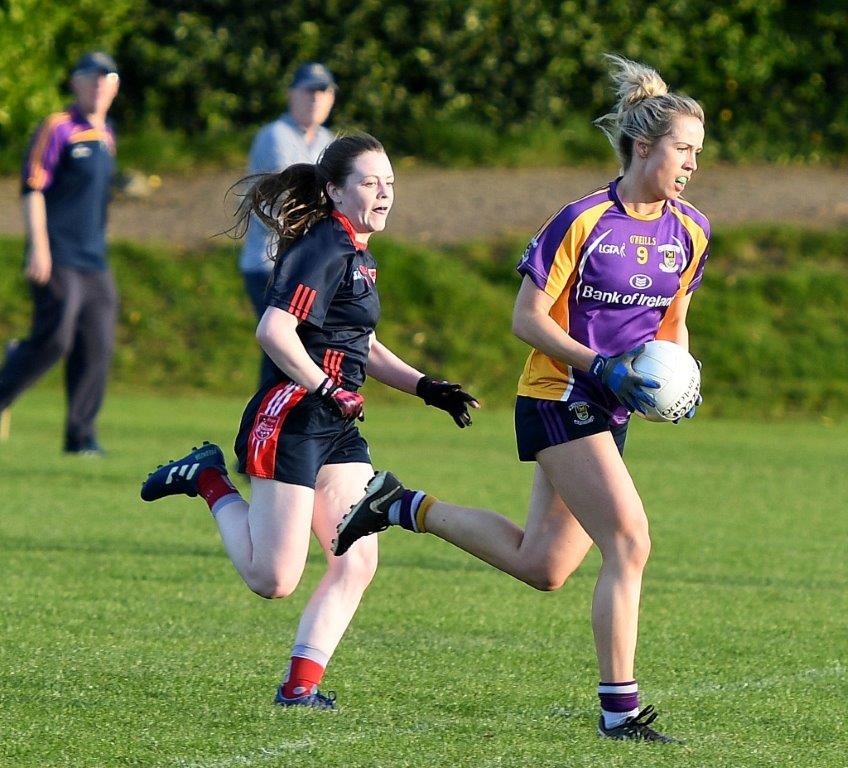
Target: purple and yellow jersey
72 163
613 274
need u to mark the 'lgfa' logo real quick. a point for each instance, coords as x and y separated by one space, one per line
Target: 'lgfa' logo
617 250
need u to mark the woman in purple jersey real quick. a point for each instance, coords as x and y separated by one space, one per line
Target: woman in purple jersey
605 274
298 439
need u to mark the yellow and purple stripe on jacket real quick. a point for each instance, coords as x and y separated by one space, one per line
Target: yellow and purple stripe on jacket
49 142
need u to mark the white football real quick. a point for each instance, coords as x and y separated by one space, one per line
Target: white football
679 377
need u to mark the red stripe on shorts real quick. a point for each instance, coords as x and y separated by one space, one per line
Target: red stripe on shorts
265 433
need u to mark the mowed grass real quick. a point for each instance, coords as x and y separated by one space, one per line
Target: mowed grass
126 638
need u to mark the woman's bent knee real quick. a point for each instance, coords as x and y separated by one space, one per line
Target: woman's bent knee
273 586
546 578
546 585
357 566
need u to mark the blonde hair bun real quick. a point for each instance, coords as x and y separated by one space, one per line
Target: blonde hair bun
644 108
634 82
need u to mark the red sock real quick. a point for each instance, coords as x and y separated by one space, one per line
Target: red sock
303 678
213 485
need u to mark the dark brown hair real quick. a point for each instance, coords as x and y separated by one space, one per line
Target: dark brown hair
291 201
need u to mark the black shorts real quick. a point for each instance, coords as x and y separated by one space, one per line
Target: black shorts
540 424
288 435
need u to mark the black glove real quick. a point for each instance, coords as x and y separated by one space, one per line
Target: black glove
348 405
449 397
627 385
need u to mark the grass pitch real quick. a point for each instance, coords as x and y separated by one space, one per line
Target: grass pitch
126 638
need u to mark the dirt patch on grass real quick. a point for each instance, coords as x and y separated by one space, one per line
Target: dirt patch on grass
447 206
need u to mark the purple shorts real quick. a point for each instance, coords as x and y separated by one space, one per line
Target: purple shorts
540 424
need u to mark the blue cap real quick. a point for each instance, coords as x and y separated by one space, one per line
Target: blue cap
313 76
95 61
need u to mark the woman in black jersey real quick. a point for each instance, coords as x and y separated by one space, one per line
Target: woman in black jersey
298 439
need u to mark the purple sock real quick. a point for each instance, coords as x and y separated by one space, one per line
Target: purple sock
402 512
618 701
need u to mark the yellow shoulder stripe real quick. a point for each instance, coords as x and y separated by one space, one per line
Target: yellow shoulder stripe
37 173
568 253
699 248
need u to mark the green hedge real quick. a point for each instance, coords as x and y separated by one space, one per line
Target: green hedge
39 42
769 322
443 77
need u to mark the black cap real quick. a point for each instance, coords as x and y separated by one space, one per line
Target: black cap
95 61
313 76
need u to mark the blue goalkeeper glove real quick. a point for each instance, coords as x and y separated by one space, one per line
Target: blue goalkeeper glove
690 414
627 385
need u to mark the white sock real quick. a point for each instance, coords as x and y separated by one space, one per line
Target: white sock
612 719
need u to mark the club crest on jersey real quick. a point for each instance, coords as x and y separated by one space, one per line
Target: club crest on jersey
580 411
668 253
367 272
265 427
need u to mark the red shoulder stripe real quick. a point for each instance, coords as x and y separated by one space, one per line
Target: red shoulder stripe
295 302
302 301
307 304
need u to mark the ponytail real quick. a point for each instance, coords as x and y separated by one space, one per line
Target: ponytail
290 202
644 110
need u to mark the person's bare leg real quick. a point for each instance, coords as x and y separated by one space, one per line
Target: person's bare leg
336 598
334 602
593 480
542 555
584 494
268 540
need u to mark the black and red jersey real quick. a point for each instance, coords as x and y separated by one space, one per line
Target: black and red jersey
327 279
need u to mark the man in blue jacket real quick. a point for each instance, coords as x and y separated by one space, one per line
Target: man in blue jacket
66 182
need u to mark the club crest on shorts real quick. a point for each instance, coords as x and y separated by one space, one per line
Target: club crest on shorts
265 426
580 412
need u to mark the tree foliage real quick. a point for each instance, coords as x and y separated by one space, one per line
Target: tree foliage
771 74
39 42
